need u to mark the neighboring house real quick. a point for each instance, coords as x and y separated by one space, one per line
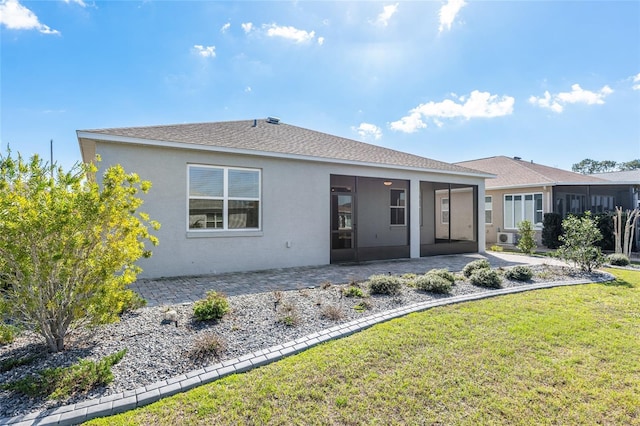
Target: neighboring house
256 194
524 190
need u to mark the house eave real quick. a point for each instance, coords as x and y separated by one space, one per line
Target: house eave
84 135
554 184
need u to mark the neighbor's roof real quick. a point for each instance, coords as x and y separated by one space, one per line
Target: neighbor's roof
512 172
629 176
269 139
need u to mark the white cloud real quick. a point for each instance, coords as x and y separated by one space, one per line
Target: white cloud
577 95
546 102
477 105
409 124
15 16
225 27
78 2
247 27
367 130
320 41
290 33
448 13
386 14
205 51
636 81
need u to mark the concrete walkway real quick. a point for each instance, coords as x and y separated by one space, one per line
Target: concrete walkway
170 291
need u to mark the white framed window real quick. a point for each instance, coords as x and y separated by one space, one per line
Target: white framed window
398 208
444 211
223 198
488 209
519 207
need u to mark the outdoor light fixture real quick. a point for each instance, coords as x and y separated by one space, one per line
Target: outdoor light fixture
387 183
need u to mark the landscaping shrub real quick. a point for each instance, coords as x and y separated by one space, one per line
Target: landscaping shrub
11 363
132 301
206 346
70 244
604 222
519 273
476 264
551 230
579 242
486 278
362 306
618 259
60 383
443 273
352 291
7 333
334 313
526 242
384 284
213 307
433 283
496 247
288 315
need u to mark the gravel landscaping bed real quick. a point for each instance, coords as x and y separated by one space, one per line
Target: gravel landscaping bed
157 349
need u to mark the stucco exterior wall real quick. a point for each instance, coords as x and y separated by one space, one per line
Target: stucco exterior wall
295 210
497 223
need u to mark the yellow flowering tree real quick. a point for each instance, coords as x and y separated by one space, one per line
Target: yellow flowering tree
68 245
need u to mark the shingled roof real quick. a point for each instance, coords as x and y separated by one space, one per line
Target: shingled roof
260 137
514 172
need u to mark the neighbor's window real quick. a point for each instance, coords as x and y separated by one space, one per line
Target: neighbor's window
444 210
488 209
519 207
398 206
224 198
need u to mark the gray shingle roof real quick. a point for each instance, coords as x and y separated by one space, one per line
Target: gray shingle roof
632 176
512 173
275 138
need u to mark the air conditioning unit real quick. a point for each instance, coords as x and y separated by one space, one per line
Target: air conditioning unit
506 238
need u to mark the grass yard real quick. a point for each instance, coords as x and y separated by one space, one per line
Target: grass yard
568 355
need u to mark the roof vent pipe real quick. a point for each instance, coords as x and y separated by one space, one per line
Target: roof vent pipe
255 123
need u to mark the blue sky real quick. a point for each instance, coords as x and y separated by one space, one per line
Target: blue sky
550 81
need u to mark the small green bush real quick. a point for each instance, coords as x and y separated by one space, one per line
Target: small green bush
579 242
213 307
433 283
60 383
527 242
11 363
8 333
352 291
496 247
384 284
618 259
486 278
519 273
443 273
362 306
476 264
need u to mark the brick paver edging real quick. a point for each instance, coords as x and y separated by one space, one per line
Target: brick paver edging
124 401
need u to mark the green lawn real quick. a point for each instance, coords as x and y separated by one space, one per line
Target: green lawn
567 355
